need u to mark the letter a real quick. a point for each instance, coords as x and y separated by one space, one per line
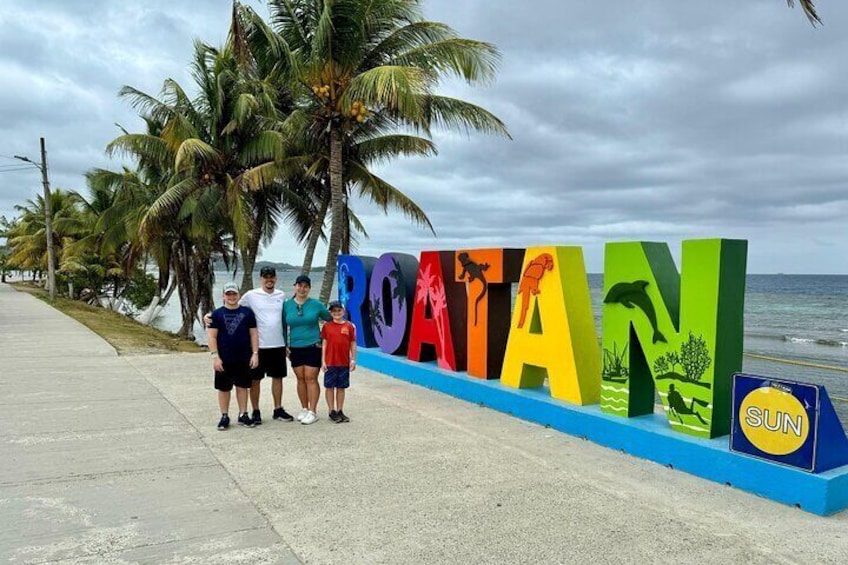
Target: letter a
553 329
444 299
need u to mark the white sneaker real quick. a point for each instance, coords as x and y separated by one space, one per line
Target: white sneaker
310 418
302 414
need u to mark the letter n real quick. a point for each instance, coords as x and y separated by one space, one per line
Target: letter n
553 330
680 335
438 316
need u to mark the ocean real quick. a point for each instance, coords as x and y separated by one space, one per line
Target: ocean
796 326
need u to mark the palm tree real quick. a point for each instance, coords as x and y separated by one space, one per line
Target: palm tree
26 237
180 237
364 76
224 162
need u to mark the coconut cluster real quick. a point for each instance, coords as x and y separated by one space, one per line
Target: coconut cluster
321 91
358 111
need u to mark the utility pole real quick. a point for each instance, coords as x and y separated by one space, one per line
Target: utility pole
48 219
48 223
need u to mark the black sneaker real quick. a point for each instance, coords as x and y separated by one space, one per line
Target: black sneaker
245 420
281 414
342 418
334 416
224 423
257 418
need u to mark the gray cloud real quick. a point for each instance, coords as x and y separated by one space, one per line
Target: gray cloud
654 120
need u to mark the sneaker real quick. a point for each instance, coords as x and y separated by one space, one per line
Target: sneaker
302 414
245 420
334 416
224 422
342 418
281 414
310 418
257 418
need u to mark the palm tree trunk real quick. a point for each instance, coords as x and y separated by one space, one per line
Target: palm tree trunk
315 232
157 304
205 276
337 209
248 255
187 288
347 235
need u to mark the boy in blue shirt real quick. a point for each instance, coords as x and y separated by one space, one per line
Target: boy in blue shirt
234 346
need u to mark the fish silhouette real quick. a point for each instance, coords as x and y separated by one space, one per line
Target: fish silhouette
630 294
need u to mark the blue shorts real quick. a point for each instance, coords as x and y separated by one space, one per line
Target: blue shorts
337 377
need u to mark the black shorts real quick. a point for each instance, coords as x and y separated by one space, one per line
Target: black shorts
236 373
309 356
272 362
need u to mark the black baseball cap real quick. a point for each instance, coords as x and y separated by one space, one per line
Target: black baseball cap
303 279
334 304
267 272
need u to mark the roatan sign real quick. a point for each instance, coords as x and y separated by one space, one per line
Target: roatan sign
678 334
449 321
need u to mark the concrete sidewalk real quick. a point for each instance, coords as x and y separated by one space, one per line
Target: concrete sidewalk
96 466
109 459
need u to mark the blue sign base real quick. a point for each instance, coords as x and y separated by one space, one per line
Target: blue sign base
649 437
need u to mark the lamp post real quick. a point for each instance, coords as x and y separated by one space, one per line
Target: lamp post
48 218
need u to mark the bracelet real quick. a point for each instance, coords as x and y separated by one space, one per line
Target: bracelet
213 353
256 353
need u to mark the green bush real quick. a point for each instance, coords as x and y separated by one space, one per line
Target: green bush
140 290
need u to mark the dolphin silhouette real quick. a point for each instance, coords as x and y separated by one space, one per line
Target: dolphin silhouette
633 294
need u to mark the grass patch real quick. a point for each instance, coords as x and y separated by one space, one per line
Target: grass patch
126 335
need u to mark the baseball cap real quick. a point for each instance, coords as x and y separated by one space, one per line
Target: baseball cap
267 272
230 287
303 279
334 304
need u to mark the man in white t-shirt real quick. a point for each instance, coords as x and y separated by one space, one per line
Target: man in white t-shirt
267 305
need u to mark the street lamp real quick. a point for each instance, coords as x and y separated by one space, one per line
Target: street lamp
48 217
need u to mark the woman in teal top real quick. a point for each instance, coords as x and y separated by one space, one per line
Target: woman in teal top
303 336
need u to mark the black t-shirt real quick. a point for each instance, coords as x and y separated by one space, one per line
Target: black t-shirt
234 332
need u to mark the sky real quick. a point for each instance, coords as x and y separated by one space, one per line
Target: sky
630 121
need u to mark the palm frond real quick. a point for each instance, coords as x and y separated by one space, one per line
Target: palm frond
397 88
139 145
476 62
387 196
384 148
809 9
194 152
458 115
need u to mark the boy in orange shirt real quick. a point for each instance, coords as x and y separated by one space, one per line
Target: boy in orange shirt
338 352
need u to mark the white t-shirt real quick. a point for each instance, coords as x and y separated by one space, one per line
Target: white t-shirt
268 309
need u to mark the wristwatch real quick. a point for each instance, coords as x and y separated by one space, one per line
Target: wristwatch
213 353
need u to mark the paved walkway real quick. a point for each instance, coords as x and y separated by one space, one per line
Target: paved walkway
111 459
97 466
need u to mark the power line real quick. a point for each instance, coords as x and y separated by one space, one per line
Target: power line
14 170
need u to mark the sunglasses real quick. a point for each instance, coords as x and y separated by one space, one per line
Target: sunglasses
299 309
